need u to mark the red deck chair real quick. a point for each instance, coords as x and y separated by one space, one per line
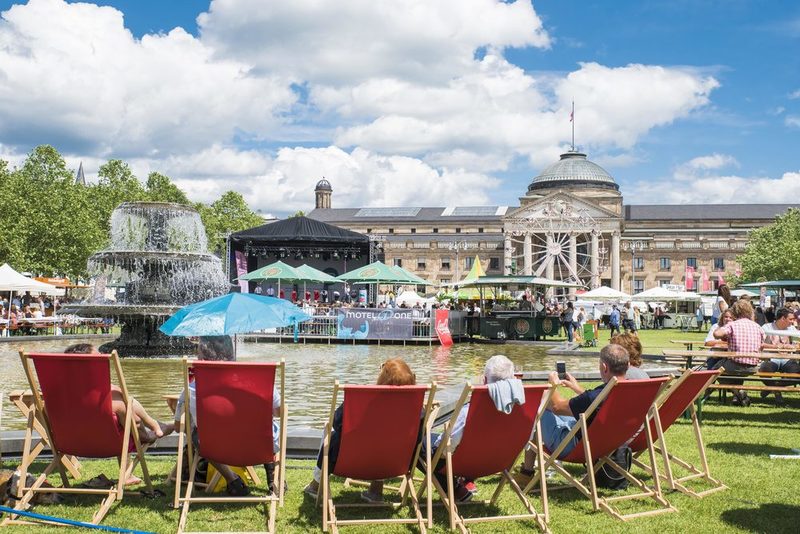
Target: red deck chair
621 409
379 441
234 426
676 400
72 400
491 443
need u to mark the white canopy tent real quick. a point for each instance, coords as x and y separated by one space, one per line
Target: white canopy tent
410 298
604 293
662 294
14 282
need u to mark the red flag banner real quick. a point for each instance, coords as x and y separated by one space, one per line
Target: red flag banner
689 276
706 281
443 327
720 279
241 270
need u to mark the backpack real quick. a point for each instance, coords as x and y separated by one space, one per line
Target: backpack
608 477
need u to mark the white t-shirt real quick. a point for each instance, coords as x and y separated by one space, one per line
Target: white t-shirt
773 339
715 310
710 336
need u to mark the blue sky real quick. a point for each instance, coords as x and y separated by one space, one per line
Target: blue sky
681 101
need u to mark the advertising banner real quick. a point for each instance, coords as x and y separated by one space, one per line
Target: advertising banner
369 323
689 276
241 270
443 327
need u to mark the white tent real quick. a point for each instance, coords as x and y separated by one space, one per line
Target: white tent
604 293
663 294
11 280
409 298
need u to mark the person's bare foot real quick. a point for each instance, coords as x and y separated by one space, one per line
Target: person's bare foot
133 481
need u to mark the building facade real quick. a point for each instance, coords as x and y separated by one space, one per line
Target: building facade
570 225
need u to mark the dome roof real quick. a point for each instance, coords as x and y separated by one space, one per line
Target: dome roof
573 170
323 185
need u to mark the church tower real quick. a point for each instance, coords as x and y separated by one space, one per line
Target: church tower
323 193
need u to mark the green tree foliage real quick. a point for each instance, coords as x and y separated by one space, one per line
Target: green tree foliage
228 214
161 189
772 251
49 225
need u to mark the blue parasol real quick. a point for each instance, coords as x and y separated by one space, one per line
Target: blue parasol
234 313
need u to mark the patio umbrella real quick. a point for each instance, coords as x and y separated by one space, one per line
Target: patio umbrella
416 280
234 313
375 273
310 274
274 271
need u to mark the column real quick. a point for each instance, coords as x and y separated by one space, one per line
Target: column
595 261
615 260
573 262
527 252
550 268
507 255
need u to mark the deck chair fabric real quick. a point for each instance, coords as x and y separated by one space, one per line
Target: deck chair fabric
379 440
490 444
616 415
234 425
72 404
677 400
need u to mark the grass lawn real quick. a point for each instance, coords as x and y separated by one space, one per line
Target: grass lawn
763 494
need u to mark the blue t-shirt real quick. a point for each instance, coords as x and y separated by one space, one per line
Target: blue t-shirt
581 403
614 319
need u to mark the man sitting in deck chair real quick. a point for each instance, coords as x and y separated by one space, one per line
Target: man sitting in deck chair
563 414
220 348
499 370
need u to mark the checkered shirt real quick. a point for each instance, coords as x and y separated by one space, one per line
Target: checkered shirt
744 335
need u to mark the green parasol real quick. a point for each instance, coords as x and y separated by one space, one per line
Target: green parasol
375 273
310 274
416 280
274 271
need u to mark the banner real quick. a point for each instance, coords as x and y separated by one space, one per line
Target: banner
241 270
443 327
689 278
720 279
368 323
706 282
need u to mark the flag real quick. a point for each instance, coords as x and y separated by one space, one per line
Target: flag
720 279
571 115
706 282
689 275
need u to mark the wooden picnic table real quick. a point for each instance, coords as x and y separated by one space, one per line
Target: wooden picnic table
689 355
689 344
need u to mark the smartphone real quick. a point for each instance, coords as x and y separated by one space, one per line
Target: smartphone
561 369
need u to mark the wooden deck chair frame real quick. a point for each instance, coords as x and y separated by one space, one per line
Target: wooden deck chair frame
447 495
406 489
270 502
38 412
593 466
23 400
695 473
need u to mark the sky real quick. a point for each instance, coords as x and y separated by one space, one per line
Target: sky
410 102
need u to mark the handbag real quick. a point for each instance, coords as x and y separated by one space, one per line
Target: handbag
610 478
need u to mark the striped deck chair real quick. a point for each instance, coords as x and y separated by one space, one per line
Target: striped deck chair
379 440
234 402
491 443
676 400
621 409
72 403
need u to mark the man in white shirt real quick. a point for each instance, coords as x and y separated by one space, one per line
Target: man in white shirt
784 320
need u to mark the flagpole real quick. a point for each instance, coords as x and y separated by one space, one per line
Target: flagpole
572 117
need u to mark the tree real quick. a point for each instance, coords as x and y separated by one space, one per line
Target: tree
161 189
228 214
772 251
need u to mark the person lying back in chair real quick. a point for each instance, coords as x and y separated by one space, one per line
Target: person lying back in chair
505 390
557 421
220 348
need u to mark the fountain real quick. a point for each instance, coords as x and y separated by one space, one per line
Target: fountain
157 262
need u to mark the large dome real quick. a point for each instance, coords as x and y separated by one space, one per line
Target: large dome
573 170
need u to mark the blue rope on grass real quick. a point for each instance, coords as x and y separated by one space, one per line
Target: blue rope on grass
70 522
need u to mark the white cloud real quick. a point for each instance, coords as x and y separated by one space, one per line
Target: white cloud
73 71
713 161
349 41
793 121
794 94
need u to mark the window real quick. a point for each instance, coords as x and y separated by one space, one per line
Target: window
691 262
638 263
638 286
446 264
413 230
445 280
398 262
435 230
468 261
494 264
664 282
458 230
664 264
480 230
420 264
391 230
719 264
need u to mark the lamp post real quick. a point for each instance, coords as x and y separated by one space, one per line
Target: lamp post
633 246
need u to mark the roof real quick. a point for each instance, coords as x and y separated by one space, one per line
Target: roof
573 169
411 214
300 229
323 185
666 212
